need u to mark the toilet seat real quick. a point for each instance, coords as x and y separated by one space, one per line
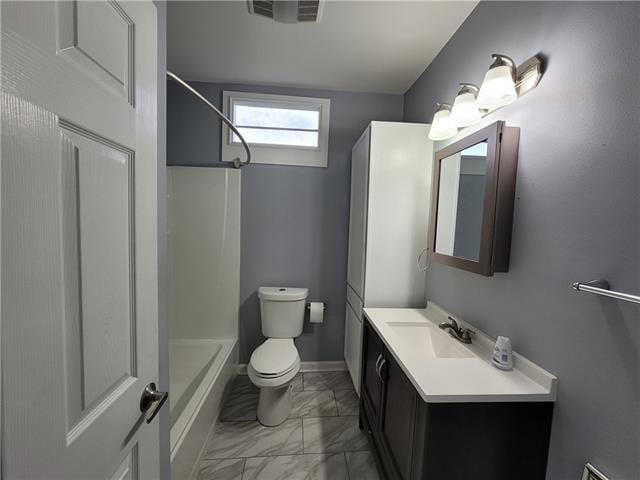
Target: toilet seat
274 363
274 358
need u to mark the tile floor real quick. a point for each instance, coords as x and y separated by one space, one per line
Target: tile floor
320 440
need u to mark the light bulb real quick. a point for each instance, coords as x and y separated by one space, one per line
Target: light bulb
442 126
465 111
498 87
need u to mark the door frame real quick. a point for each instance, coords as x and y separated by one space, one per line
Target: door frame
163 321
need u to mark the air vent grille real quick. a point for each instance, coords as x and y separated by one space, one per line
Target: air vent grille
308 10
262 7
287 11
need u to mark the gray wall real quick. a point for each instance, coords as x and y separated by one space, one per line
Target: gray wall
294 219
577 215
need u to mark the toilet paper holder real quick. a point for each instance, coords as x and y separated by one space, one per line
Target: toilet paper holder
324 307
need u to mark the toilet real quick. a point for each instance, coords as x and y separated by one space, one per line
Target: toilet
276 362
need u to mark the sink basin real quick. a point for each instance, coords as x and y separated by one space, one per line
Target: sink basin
427 339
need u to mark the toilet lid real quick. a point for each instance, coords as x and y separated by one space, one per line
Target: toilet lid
275 356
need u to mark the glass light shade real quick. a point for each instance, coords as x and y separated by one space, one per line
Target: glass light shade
497 89
442 126
465 111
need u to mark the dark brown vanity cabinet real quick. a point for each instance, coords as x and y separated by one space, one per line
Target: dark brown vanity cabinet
371 378
416 440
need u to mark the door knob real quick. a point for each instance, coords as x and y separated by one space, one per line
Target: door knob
152 396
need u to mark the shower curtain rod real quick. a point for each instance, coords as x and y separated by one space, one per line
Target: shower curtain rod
236 161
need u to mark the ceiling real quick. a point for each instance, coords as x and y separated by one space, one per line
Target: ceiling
362 46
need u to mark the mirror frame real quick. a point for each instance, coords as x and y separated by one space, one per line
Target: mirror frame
499 195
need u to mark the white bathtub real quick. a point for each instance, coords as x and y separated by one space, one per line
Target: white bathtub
199 373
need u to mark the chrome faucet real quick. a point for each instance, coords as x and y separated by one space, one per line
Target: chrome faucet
461 334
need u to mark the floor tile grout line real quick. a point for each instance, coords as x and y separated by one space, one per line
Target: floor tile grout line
302 428
293 418
346 465
217 459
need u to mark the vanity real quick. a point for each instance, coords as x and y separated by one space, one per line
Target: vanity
437 409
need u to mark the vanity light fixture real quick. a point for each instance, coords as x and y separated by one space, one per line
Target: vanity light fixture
442 125
499 85
465 111
503 84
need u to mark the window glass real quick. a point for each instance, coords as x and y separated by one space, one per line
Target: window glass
278 137
257 116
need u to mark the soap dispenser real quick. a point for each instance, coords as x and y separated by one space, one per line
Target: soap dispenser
502 354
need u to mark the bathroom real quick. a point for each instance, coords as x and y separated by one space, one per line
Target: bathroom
326 302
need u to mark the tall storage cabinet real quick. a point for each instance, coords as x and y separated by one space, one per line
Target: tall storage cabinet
391 167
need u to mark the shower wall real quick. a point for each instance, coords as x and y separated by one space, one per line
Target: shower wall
203 252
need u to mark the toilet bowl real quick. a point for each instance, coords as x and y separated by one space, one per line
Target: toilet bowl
275 363
272 368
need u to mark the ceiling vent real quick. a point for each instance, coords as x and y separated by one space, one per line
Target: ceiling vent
288 11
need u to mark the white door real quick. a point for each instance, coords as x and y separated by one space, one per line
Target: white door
358 213
79 253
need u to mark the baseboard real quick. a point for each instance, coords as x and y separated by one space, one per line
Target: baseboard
332 366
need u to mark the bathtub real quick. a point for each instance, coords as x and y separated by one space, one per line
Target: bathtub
199 373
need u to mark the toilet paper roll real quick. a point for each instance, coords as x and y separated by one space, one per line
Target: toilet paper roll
316 312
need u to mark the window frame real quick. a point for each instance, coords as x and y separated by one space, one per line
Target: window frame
304 156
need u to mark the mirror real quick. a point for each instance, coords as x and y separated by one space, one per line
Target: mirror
472 207
460 202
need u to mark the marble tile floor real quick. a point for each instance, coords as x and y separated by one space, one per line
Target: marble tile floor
320 440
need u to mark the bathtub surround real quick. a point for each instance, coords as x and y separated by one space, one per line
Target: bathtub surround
576 215
203 263
294 220
203 244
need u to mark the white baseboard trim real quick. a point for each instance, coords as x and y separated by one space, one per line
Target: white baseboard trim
333 366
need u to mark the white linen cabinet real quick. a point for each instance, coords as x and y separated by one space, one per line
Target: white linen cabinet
391 168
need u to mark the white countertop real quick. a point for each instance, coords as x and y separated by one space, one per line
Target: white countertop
443 369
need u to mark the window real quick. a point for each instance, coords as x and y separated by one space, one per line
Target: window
280 129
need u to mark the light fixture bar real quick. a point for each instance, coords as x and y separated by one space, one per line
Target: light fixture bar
528 75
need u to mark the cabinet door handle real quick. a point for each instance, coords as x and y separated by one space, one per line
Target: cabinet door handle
380 357
379 369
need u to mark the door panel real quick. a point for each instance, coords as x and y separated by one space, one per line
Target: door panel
399 416
371 382
97 243
358 214
79 233
78 39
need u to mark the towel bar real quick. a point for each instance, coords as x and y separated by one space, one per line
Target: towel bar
602 287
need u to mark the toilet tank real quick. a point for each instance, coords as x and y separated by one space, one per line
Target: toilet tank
282 311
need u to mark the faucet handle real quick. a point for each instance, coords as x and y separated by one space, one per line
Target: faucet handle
467 335
453 322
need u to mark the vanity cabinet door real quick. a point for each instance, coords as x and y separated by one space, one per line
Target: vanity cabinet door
398 418
371 388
